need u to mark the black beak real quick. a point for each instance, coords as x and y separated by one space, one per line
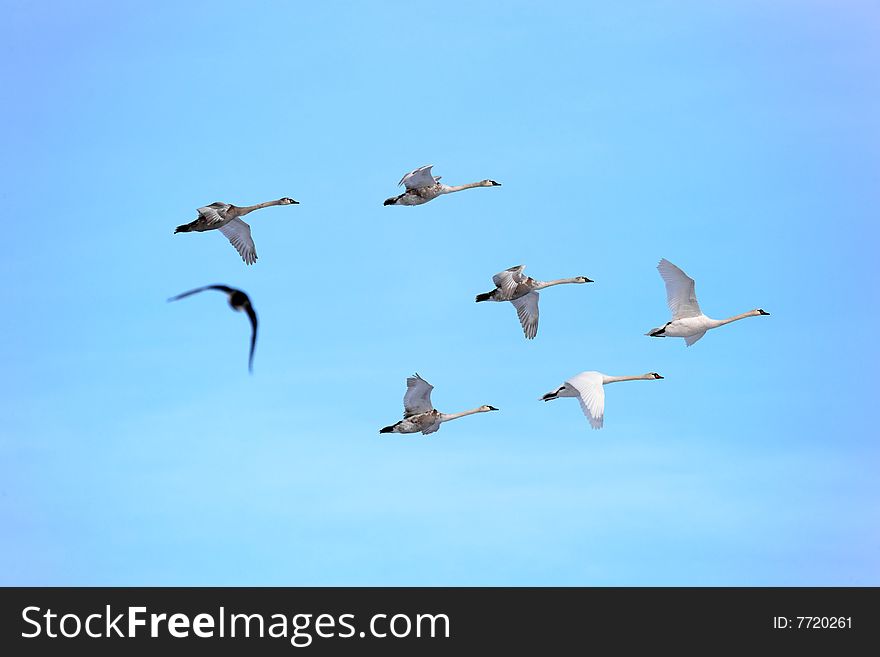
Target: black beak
658 376
588 280
495 184
763 312
294 202
492 408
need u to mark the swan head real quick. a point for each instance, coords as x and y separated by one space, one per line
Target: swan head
584 279
490 183
653 375
659 331
486 408
288 201
553 395
760 311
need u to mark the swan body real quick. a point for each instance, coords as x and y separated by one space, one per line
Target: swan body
522 291
422 186
588 387
238 301
226 218
688 321
419 414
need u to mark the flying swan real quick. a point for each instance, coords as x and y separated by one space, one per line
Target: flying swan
522 291
422 186
418 412
587 387
688 321
227 219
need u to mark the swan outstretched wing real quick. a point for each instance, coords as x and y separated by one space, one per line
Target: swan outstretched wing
419 178
591 394
508 280
418 396
680 294
527 311
214 213
239 235
693 338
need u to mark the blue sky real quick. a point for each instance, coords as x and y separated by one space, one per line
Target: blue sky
737 139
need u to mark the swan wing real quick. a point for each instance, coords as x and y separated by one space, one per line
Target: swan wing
419 178
239 235
691 339
214 213
527 311
680 294
508 280
431 428
417 398
591 394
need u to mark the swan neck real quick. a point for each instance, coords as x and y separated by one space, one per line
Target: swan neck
615 379
713 323
445 417
259 206
559 281
448 189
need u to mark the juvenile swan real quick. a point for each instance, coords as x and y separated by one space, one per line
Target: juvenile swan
226 218
688 321
521 290
238 301
422 187
587 387
418 412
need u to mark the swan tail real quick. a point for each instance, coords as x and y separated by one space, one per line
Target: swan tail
550 396
389 429
183 228
486 296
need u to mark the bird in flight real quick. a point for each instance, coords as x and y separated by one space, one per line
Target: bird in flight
418 412
588 388
227 219
688 321
522 291
422 186
238 301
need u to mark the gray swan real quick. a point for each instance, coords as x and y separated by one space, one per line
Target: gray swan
522 291
422 186
418 412
226 218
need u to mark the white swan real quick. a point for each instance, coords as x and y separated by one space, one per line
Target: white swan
418 412
587 387
688 321
422 186
226 218
522 291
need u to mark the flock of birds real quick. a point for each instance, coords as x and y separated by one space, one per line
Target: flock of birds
419 414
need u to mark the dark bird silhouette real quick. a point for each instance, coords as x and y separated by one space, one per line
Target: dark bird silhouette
238 301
